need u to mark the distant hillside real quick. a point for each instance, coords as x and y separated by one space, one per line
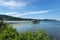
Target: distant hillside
49 20
5 17
10 18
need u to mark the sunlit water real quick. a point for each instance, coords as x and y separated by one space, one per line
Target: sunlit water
51 27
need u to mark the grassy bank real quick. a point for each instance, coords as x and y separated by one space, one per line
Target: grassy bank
9 33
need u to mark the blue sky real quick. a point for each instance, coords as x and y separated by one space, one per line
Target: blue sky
38 9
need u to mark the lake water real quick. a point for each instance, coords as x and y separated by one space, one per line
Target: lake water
51 27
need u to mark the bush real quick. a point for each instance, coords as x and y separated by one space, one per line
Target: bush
9 33
31 35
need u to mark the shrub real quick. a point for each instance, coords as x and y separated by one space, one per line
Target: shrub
9 33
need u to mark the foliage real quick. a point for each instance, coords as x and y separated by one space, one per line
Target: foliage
9 33
31 35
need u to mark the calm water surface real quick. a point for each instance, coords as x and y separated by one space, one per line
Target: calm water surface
51 27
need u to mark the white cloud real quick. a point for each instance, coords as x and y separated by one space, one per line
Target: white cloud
12 4
19 15
38 12
9 13
16 3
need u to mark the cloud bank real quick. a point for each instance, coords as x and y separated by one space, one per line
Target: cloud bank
15 14
15 3
12 4
38 12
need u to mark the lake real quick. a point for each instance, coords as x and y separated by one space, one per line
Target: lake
51 27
